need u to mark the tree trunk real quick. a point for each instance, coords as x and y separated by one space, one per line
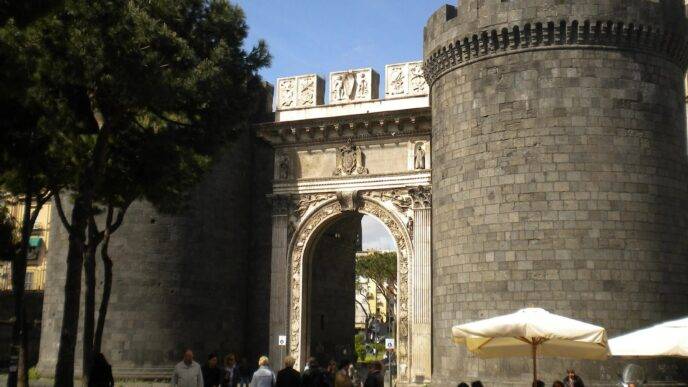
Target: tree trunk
107 289
83 205
64 370
89 299
23 359
18 283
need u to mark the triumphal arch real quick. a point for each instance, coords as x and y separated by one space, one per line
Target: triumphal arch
359 153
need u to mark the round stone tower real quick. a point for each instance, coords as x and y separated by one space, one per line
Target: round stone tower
559 177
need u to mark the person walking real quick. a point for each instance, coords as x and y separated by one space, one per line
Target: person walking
212 374
312 376
187 373
341 378
230 377
263 377
288 376
330 373
573 380
101 373
375 377
354 375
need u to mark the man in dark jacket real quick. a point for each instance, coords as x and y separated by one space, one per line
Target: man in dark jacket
573 380
312 376
212 374
231 372
288 376
375 377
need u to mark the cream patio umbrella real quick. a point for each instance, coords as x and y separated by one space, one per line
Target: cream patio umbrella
665 339
533 332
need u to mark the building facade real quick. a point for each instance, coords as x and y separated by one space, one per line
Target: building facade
39 243
535 157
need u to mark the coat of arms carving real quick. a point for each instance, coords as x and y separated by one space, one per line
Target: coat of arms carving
350 160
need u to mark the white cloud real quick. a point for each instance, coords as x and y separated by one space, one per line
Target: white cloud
375 235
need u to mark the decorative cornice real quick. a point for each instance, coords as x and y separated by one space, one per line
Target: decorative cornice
552 36
356 127
350 183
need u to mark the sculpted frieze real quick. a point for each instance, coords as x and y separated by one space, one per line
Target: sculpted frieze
405 79
354 86
300 91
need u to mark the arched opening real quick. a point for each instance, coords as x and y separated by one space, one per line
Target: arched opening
347 315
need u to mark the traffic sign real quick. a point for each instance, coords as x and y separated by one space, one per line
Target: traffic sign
282 340
389 344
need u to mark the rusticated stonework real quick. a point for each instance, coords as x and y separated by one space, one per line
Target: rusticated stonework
559 173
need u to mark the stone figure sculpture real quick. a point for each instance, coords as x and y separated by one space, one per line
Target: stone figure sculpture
419 157
338 88
283 167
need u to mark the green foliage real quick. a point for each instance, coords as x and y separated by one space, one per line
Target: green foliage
34 374
116 101
380 267
169 79
360 348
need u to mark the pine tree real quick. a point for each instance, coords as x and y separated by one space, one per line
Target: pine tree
128 89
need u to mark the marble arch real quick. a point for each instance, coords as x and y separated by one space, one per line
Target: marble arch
303 239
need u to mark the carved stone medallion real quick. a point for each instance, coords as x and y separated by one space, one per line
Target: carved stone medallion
350 160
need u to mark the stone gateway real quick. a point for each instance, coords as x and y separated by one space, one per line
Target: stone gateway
535 157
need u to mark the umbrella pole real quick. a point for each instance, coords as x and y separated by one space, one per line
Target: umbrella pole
534 364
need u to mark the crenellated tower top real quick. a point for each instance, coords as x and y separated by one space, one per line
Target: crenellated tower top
476 29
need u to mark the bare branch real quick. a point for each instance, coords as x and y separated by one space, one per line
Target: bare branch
367 316
112 227
41 199
60 211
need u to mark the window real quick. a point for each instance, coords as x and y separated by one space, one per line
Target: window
28 285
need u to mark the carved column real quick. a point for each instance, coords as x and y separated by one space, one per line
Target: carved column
278 277
421 323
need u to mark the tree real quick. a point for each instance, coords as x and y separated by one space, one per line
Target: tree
120 80
381 269
25 155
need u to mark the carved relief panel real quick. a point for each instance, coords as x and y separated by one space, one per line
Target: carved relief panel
354 86
300 91
405 79
350 160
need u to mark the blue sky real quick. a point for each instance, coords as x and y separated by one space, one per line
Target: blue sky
309 36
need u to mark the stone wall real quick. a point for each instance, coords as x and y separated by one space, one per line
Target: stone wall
331 290
258 293
179 280
558 172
